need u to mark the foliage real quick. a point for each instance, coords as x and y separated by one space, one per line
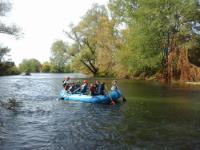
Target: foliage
132 38
59 59
8 68
46 67
30 65
194 51
92 50
3 52
5 6
154 29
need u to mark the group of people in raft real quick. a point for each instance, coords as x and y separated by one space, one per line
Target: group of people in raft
85 88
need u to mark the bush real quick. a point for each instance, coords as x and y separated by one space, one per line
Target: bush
8 68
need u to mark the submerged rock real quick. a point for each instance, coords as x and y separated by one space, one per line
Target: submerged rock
10 104
26 73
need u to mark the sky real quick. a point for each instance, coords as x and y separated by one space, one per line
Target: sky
42 22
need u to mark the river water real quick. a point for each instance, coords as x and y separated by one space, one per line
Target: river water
154 117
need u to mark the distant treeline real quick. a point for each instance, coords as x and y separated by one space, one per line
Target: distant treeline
8 68
30 65
34 65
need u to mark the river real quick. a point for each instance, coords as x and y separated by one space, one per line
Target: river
155 116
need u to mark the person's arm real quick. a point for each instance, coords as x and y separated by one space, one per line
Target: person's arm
113 88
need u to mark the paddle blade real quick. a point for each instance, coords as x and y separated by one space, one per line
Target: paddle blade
124 99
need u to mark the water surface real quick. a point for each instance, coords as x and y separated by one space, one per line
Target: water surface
154 117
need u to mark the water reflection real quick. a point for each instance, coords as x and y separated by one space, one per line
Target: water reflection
166 124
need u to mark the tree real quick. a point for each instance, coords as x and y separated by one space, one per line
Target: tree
46 67
30 65
3 52
94 40
157 31
5 6
59 58
138 52
6 67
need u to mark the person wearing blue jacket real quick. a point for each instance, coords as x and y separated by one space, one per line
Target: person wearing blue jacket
100 88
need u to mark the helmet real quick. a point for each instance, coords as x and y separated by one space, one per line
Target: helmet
67 78
97 81
114 82
85 81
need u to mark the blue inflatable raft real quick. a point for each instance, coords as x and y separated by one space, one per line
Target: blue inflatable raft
102 99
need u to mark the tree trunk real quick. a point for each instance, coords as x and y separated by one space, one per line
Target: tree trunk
184 65
189 72
169 59
92 69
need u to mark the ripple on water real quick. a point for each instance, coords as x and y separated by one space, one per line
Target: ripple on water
153 116
42 122
84 128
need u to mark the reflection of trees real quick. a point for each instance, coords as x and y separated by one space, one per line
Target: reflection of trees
153 123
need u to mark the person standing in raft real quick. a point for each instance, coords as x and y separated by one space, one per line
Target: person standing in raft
84 87
113 88
114 85
66 83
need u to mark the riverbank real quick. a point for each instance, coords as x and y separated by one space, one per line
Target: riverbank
9 72
193 83
158 78
8 68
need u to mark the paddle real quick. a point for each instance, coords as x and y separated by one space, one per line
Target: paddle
76 89
115 87
112 101
124 99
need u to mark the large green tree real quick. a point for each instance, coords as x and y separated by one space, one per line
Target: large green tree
30 65
46 67
94 42
154 30
59 57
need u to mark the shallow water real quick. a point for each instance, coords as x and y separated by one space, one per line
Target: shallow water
154 117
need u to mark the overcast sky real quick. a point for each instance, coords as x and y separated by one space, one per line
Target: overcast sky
42 22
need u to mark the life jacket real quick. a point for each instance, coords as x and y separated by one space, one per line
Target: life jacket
114 87
84 89
66 87
102 89
92 90
71 88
